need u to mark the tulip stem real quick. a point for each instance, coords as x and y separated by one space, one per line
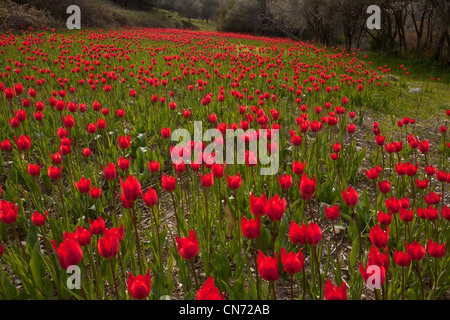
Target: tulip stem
256 269
273 236
207 220
238 222
273 290
66 217
420 279
435 276
93 271
85 271
304 283
221 215
19 244
337 247
110 183
403 283
254 183
176 215
86 205
157 235
292 286
318 270
289 206
114 277
195 274
310 210
138 243
359 232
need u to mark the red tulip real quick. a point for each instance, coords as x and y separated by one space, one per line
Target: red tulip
87 152
139 287
23 143
384 186
97 226
251 228
432 198
218 170
124 142
415 250
56 158
34 170
334 292
8 212
108 245
209 291
54 173
131 188
332 213
234 182
313 234
298 167
307 186
169 183
153 166
83 236
406 215
258 205
297 233
110 171
373 173
393 205
285 181
150 197
376 275
5 145
384 219
445 212
165 133
268 267
402 259
431 213
207 180
410 169
95 193
84 186
378 237
292 263
350 196
275 208
123 164
69 251
435 249
188 247
38 219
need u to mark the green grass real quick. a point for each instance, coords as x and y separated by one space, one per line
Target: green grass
203 25
427 106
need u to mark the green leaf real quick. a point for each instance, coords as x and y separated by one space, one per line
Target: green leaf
36 266
354 252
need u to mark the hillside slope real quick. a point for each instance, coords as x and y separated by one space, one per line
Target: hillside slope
98 14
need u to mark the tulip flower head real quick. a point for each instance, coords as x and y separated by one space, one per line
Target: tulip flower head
268 267
334 292
209 291
188 247
139 286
